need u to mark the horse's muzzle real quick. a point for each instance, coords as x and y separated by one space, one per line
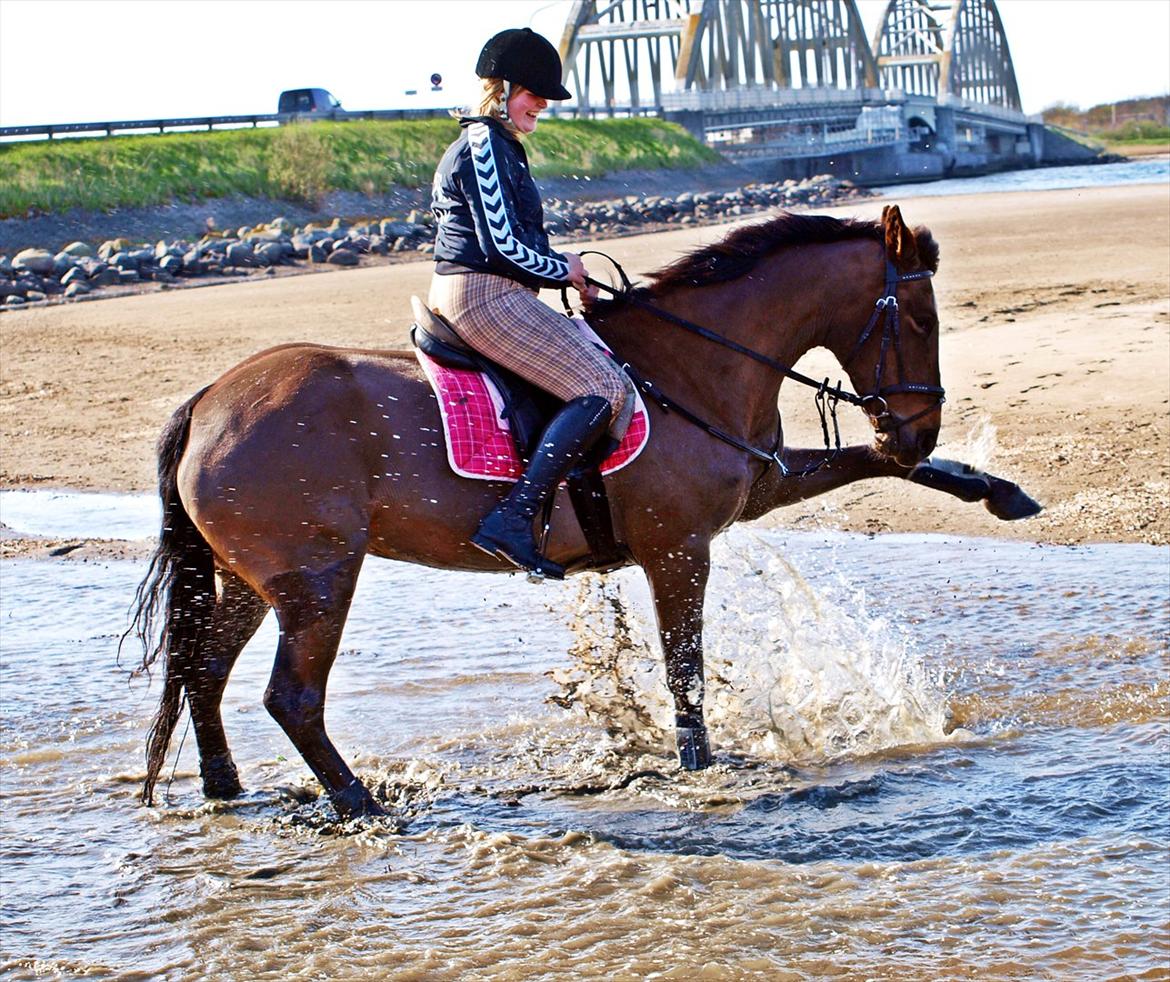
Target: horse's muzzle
909 443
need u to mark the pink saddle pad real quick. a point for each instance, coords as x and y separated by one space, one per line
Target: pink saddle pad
479 440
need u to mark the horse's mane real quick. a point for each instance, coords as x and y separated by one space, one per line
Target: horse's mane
737 253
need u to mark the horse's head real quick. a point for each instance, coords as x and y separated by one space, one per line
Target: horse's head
893 360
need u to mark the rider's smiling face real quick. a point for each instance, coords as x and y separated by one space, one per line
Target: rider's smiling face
523 109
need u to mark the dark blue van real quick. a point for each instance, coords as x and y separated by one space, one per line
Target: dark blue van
307 101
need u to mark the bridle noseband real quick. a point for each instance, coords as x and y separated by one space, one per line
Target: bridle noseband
873 404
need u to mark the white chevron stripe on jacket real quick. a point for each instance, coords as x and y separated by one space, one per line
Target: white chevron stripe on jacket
491 196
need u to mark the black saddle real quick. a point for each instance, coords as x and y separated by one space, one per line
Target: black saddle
527 408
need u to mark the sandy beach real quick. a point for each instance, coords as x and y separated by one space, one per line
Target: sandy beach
1055 308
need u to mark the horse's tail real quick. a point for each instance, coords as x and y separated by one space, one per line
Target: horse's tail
179 588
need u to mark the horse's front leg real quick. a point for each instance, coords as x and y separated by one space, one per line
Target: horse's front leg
678 583
802 477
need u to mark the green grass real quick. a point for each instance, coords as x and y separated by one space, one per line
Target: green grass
301 163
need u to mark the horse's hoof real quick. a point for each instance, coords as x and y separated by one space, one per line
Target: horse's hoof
356 802
221 780
694 749
1009 502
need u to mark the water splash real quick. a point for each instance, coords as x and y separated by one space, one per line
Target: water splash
796 674
978 447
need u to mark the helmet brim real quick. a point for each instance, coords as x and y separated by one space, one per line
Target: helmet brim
560 94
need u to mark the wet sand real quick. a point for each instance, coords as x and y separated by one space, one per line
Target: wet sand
1055 308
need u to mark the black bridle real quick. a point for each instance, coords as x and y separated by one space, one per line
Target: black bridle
873 404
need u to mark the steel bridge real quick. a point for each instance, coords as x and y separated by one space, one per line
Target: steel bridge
788 81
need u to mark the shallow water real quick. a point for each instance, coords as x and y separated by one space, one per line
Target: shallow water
938 758
1148 170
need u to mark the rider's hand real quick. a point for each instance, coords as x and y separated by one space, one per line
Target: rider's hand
577 270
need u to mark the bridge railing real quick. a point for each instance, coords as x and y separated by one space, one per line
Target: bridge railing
767 97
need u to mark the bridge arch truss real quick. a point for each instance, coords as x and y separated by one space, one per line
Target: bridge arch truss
636 49
947 50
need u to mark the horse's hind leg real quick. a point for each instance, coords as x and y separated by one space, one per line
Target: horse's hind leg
237 614
311 609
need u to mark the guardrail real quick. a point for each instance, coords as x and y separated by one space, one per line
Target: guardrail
110 128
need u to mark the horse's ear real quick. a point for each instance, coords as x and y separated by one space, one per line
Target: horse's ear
901 246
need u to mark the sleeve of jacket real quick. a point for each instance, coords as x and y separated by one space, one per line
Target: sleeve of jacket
493 210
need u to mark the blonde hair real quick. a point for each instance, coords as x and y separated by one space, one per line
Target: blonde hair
493 102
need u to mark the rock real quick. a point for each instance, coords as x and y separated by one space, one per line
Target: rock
342 256
62 263
271 253
106 276
379 246
78 289
123 260
171 265
126 276
76 274
239 254
34 295
282 225
78 249
7 288
26 281
175 247
317 253
34 260
112 246
359 243
426 248
5 265
265 235
393 229
13 300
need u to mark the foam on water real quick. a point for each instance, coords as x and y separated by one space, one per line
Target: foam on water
795 674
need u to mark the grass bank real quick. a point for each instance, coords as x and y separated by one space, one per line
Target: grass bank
304 162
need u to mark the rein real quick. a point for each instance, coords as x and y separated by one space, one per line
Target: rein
827 397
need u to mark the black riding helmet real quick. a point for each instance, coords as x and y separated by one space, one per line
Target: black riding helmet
523 57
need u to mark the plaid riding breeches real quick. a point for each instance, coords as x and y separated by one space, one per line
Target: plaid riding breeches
508 323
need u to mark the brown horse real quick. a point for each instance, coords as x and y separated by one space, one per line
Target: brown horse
279 477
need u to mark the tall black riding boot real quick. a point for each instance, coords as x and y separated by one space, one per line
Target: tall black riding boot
507 530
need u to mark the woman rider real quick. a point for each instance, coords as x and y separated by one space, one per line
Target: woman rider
491 258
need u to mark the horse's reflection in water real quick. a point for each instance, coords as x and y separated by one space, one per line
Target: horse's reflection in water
282 475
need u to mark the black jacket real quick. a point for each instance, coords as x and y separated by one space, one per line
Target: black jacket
488 210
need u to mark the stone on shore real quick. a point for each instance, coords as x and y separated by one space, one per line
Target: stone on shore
248 250
38 261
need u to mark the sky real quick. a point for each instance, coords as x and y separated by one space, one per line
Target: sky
65 61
